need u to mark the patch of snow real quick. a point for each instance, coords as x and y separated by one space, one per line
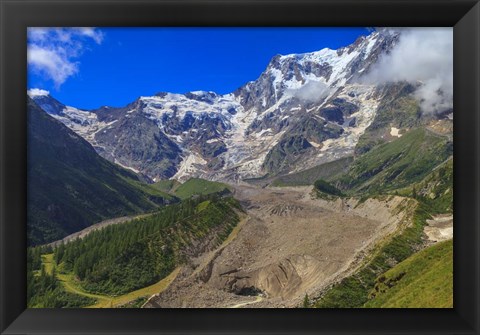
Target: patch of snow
371 42
126 167
213 140
190 165
246 153
176 138
84 123
277 81
179 106
439 228
261 132
252 168
345 144
395 132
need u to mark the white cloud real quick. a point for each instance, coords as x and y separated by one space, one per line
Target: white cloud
94 34
422 56
51 63
38 34
37 92
54 52
312 91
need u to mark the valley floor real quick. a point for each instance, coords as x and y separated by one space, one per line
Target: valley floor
290 245
287 245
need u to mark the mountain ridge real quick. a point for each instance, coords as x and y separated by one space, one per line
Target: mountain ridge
71 187
302 111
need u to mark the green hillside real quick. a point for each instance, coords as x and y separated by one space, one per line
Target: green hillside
167 186
436 189
124 257
325 171
396 164
70 186
326 190
398 108
44 290
423 280
198 186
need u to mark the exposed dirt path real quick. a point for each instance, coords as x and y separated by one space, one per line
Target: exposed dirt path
105 301
70 286
290 245
69 283
146 292
257 299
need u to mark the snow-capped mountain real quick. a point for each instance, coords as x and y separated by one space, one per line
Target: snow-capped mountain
303 110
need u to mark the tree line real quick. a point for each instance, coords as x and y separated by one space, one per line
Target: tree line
120 258
44 289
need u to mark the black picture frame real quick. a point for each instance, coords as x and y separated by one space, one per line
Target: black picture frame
16 16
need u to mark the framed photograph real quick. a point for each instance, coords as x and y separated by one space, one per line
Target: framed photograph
239 167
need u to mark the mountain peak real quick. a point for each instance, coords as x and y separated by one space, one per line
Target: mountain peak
303 110
46 101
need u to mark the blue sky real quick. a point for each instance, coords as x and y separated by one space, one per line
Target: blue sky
91 67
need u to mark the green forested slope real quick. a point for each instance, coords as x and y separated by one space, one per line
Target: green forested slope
396 164
44 290
121 258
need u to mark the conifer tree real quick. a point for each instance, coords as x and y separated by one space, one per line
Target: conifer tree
306 301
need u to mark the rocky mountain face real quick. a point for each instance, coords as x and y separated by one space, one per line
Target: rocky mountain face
303 110
70 186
